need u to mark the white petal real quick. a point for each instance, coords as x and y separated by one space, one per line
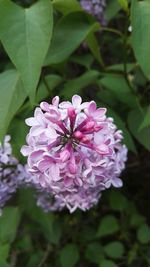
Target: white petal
76 101
31 121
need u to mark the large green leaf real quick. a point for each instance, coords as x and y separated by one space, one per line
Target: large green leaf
69 255
69 33
12 95
140 21
9 222
135 121
25 34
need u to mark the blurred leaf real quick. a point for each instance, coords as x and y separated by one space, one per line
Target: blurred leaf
9 222
118 202
70 32
108 226
146 120
50 226
122 126
136 219
25 243
83 60
135 120
4 264
94 47
114 250
69 255
12 97
18 138
47 85
25 34
112 9
67 6
143 234
4 251
107 263
74 86
140 21
94 252
119 87
35 259
120 67
124 4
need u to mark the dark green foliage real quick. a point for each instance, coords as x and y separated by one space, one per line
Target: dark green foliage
50 48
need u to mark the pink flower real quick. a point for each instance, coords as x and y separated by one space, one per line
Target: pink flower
74 152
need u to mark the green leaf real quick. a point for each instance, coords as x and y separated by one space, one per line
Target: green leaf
49 224
35 258
140 21
67 6
94 47
118 202
122 126
120 88
136 219
108 226
107 263
25 34
4 263
94 252
135 119
112 9
69 255
114 250
48 83
18 138
124 4
85 60
74 86
70 32
12 96
120 67
146 120
4 251
143 234
9 222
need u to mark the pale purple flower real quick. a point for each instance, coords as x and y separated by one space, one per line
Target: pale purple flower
96 8
76 154
12 174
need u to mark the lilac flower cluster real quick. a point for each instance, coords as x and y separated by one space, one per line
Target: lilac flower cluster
12 174
74 152
96 8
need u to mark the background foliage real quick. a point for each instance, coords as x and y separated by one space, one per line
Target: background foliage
50 48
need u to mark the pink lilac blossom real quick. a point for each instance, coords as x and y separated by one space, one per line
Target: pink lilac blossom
96 8
74 152
12 174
